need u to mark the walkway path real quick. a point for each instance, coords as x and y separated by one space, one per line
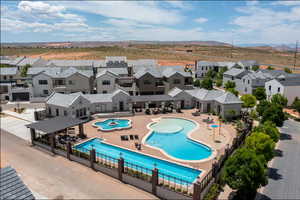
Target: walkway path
284 180
53 176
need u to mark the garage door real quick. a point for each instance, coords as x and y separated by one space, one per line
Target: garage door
21 96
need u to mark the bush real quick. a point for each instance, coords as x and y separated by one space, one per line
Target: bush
260 93
262 106
249 101
219 82
197 83
255 68
279 99
288 70
207 83
296 104
270 129
229 84
213 192
275 114
233 91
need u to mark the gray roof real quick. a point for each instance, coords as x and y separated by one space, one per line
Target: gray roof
8 70
28 61
64 73
106 71
228 98
12 187
72 63
55 124
37 70
146 98
175 91
205 95
168 71
99 98
64 100
142 62
234 72
153 71
10 60
248 63
115 58
206 63
295 81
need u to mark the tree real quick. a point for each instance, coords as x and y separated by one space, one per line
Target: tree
255 68
262 106
24 70
221 72
245 172
288 70
260 93
249 101
229 84
197 83
262 144
279 99
270 68
207 83
296 104
270 129
254 114
274 113
233 91
211 74
219 82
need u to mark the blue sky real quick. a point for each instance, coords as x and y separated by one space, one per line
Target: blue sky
274 22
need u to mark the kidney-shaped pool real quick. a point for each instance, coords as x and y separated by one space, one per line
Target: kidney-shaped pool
171 136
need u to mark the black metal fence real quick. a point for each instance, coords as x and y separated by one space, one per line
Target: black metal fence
175 184
106 161
138 171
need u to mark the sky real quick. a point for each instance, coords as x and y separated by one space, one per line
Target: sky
243 22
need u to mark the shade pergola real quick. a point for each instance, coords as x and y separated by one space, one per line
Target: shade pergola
55 124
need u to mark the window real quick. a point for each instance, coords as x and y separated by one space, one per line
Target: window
10 77
43 82
243 80
278 89
206 68
232 78
65 113
104 92
106 82
202 68
270 87
70 82
176 81
147 82
45 92
248 81
245 89
4 77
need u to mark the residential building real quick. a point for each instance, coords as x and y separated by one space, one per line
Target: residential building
288 86
9 74
246 64
202 67
235 75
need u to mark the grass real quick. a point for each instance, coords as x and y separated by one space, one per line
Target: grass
160 52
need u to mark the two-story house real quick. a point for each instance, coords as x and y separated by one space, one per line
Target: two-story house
202 67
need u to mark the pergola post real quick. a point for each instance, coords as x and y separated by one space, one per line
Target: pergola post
81 131
33 135
154 180
69 150
197 191
52 142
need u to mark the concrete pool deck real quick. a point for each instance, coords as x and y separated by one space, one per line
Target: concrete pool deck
204 135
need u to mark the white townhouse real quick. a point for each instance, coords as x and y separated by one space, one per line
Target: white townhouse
68 80
202 67
106 81
235 75
287 86
246 64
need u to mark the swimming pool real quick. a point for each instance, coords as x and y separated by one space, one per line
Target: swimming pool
113 124
177 144
165 167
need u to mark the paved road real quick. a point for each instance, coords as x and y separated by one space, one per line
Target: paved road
284 181
53 176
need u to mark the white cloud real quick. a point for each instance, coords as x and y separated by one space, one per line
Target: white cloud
286 3
201 20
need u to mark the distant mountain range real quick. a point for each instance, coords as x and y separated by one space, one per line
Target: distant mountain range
72 44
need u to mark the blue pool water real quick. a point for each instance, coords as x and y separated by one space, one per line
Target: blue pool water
165 167
177 144
119 123
214 126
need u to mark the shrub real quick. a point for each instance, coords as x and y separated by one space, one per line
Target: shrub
213 192
260 93
219 82
296 104
229 84
207 83
249 101
274 113
279 99
288 70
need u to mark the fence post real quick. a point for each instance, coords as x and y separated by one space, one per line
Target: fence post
154 180
120 168
52 142
69 150
92 158
36 116
197 191
33 136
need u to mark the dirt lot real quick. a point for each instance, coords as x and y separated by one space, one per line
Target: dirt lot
166 54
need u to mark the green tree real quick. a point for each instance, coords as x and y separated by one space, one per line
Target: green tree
249 101
254 114
229 84
262 144
274 113
288 70
233 91
211 74
296 104
260 93
279 99
207 83
197 83
262 106
270 129
245 172
270 68
221 72
255 68
24 70
219 82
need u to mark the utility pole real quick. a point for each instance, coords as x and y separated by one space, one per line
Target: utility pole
231 54
295 57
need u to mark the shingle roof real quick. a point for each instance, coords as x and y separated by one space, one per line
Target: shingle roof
64 100
67 72
37 70
207 63
203 94
175 91
99 98
146 98
55 124
153 71
8 70
28 61
228 98
295 81
72 63
234 72
11 60
106 71
170 71
12 187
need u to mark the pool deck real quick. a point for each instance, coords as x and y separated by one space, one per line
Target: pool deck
203 134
